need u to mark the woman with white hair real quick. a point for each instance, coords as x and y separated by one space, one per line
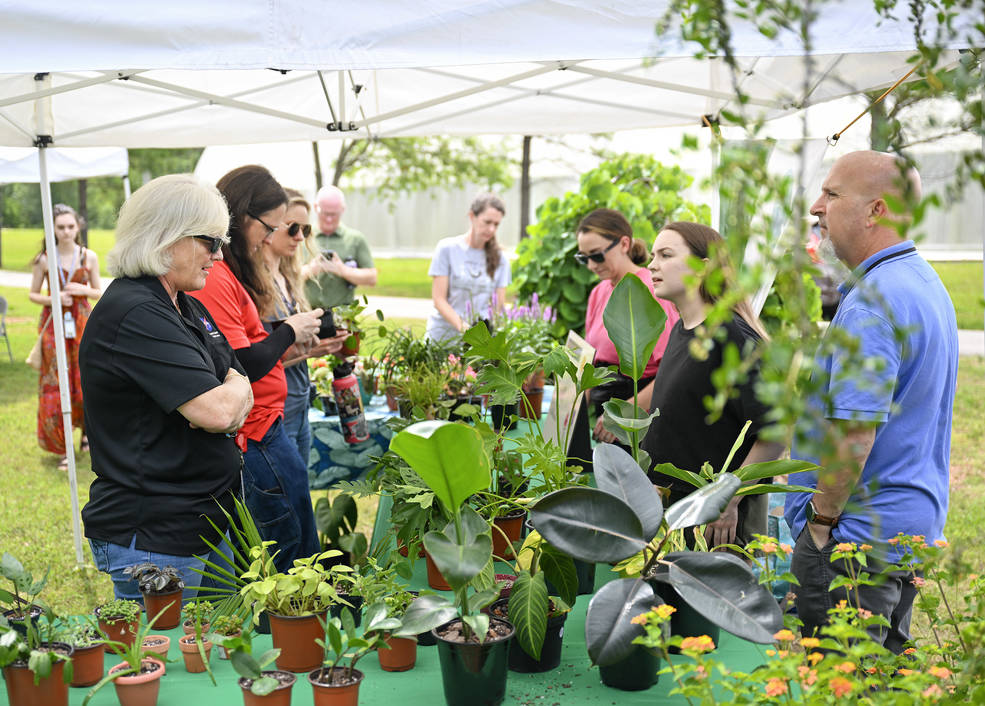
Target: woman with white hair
163 391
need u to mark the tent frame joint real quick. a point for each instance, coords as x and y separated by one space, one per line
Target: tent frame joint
41 141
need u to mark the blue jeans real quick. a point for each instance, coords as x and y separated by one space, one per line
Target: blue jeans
112 559
275 487
297 426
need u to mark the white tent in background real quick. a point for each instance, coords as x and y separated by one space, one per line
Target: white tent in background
188 73
20 164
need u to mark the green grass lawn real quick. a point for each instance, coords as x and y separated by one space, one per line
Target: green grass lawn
964 283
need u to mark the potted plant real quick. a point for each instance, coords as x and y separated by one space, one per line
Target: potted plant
158 645
226 626
294 602
119 620
87 656
348 317
197 615
531 330
401 652
260 687
138 677
451 458
337 685
336 521
20 609
161 589
320 370
36 672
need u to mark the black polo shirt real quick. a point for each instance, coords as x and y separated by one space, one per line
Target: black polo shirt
156 477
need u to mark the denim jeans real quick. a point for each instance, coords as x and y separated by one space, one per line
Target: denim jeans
297 426
275 488
112 559
892 597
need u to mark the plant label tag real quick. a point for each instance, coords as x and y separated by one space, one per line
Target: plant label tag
69 325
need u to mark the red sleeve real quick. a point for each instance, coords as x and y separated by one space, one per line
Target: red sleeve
223 296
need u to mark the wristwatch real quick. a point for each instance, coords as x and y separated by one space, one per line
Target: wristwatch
814 517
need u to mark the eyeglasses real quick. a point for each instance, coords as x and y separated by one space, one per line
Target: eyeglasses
596 257
293 229
270 228
215 244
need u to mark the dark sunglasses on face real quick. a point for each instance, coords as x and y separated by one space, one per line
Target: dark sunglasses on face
270 228
597 257
293 229
215 244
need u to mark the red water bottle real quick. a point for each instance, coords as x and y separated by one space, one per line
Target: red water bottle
345 388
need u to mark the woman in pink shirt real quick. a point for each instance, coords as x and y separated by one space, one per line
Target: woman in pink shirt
607 247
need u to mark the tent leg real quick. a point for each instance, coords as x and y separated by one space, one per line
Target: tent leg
57 321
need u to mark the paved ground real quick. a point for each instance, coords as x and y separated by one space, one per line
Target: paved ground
969 342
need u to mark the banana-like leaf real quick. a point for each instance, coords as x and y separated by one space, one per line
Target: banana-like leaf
669 469
760 488
425 613
617 474
609 630
588 524
448 456
559 569
634 321
768 469
627 415
725 591
703 505
528 611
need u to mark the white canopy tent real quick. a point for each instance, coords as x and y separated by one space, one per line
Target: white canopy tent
20 164
187 73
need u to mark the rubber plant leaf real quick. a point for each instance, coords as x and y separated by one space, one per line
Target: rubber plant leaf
609 630
634 321
618 474
588 524
448 456
724 590
703 505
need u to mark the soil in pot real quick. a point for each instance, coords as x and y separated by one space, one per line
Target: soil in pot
189 627
189 651
636 672
50 691
401 655
507 581
511 525
435 579
331 687
474 674
139 689
18 618
295 636
280 696
158 644
87 665
170 603
119 630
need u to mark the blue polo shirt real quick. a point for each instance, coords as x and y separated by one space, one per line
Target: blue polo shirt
902 377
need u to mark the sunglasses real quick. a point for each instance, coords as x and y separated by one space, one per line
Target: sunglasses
293 229
270 228
215 244
597 257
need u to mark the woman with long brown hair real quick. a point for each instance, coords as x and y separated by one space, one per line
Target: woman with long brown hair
682 433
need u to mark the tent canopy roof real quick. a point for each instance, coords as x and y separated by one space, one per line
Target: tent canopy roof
236 71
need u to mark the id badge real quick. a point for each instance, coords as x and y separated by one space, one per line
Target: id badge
69 325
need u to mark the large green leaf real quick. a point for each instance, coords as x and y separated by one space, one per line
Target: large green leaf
723 589
588 524
460 558
528 611
669 469
627 415
634 321
559 569
425 613
704 504
448 456
609 630
760 488
617 473
485 344
768 469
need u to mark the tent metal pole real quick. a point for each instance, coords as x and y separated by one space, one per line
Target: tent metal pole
54 286
38 95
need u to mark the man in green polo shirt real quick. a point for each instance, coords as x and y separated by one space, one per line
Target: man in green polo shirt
344 261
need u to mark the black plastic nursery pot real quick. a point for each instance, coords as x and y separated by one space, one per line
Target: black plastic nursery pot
501 416
335 610
474 674
550 652
636 672
685 620
586 579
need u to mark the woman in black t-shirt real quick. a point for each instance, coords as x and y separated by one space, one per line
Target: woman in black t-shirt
682 434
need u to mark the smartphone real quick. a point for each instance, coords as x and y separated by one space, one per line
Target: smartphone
328 253
327 328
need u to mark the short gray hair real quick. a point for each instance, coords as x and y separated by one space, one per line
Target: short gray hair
159 214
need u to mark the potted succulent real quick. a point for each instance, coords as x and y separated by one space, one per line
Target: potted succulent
226 626
87 657
197 616
337 685
119 620
260 687
473 648
138 677
294 602
161 588
196 651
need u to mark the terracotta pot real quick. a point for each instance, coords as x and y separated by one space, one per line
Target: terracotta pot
223 652
119 630
50 691
351 345
391 400
189 650
435 579
330 695
170 603
139 689
295 636
281 696
159 647
87 665
533 391
401 656
189 627
511 525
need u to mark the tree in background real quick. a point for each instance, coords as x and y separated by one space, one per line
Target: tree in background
641 188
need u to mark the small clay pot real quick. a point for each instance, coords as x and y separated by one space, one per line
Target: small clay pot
435 579
280 696
189 627
158 644
139 689
87 665
189 650
401 656
170 603
328 694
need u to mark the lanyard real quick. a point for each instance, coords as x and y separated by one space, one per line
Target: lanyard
62 280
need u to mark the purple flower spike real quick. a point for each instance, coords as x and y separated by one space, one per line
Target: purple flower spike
468 311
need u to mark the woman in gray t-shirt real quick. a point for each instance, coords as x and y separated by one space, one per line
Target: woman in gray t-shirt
467 271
